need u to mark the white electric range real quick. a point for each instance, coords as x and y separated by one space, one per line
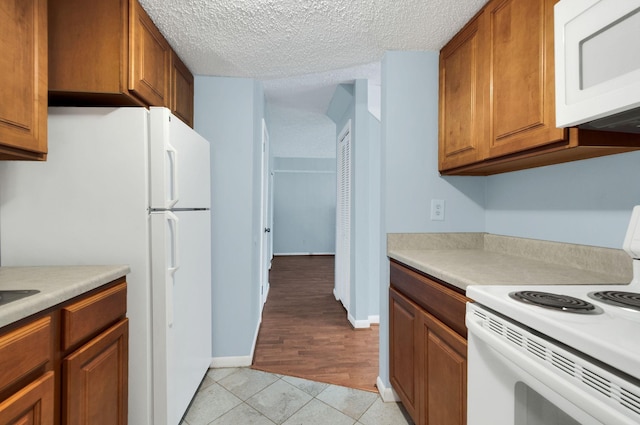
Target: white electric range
575 359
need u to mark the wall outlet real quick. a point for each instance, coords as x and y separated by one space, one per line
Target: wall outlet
437 209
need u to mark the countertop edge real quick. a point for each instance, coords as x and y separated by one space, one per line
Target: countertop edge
57 284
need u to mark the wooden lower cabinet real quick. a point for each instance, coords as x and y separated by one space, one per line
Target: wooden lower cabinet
428 363
69 364
404 353
95 380
33 404
443 384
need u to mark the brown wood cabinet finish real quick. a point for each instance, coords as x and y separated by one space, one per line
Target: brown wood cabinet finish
95 380
462 90
182 90
23 90
443 387
25 350
403 339
428 358
515 99
68 362
110 53
31 405
84 318
149 58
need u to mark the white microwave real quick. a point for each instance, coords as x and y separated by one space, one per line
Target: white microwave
597 64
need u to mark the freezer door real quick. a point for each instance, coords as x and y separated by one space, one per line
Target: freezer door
179 163
181 286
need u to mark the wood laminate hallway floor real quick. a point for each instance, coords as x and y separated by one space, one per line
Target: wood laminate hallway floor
305 331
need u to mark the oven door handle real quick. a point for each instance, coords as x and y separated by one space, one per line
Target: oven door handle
581 399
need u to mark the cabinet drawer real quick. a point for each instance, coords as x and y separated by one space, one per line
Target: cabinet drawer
24 350
442 302
87 317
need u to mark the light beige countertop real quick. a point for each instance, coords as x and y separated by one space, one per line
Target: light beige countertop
463 259
56 284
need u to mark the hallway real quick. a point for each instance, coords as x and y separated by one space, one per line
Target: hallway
305 331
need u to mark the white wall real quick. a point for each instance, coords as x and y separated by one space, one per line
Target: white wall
584 202
410 177
228 112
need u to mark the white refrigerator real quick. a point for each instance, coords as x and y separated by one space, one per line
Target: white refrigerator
126 186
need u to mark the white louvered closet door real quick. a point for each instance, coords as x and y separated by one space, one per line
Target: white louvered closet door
343 218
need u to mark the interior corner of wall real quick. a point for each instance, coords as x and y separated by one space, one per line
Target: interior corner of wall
387 393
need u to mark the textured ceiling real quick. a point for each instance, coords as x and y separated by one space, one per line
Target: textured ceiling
301 49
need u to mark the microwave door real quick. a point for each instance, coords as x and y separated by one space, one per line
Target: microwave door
597 62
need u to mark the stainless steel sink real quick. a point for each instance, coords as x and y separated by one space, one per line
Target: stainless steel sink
8 295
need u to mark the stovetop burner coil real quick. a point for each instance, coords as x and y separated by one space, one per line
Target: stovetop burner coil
618 298
556 302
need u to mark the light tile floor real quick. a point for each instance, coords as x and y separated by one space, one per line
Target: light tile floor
234 396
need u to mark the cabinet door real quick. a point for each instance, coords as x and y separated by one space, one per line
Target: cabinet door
521 74
95 380
181 90
149 58
88 50
462 136
444 381
31 405
403 342
23 88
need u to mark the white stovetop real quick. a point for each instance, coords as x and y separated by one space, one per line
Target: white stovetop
611 337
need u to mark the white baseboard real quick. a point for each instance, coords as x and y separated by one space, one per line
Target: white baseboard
238 361
358 324
374 320
335 294
290 254
387 394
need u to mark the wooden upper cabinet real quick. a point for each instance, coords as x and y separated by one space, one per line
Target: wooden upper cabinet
462 93
149 58
497 96
521 76
23 89
181 90
110 53
88 52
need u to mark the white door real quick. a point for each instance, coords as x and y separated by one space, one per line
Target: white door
181 280
265 238
342 289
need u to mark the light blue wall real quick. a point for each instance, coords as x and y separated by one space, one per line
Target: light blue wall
375 215
410 167
585 202
303 162
227 111
350 102
304 206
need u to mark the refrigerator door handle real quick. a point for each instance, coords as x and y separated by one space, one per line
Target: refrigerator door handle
173 264
172 155
174 261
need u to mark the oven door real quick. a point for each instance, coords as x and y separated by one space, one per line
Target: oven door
512 379
597 65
